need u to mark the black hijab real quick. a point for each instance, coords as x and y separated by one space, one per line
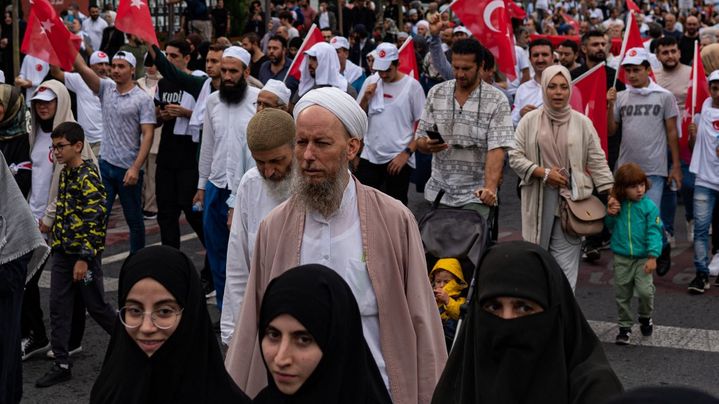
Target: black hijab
324 304
664 395
550 357
188 368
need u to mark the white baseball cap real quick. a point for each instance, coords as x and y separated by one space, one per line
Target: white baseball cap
99 57
386 54
635 56
461 28
43 94
279 89
714 76
126 56
340 42
239 53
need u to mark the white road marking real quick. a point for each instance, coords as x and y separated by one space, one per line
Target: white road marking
692 339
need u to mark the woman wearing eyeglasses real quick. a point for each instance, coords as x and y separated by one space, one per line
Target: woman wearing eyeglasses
164 349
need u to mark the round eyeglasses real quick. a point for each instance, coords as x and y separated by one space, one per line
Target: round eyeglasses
163 318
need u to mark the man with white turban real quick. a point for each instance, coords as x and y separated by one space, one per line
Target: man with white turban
321 68
369 238
353 73
274 94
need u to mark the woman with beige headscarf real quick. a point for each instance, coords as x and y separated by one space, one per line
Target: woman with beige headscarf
557 152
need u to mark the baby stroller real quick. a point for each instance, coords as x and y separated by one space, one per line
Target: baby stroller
456 233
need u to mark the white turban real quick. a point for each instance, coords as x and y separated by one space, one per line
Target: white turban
423 23
327 72
341 104
279 89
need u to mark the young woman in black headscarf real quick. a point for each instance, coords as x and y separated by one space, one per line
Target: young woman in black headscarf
163 349
525 339
312 342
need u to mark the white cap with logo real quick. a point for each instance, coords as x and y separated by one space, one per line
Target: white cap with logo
99 57
635 56
461 28
386 54
340 42
238 52
43 94
714 76
126 56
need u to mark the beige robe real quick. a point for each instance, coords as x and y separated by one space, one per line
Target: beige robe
587 162
411 335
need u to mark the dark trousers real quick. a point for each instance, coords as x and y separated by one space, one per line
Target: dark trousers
376 176
62 299
12 281
32 315
174 189
715 229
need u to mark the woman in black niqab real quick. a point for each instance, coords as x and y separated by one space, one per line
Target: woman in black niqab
549 357
319 299
188 367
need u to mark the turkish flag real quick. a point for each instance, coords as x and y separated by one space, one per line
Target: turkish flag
489 22
632 39
47 38
407 59
632 6
589 96
697 93
514 10
571 21
133 17
314 35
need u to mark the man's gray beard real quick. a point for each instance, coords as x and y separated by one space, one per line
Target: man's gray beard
324 197
280 189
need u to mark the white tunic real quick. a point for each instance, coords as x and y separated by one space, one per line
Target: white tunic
336 242
254 202
224 156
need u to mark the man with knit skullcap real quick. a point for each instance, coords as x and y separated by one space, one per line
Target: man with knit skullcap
270 138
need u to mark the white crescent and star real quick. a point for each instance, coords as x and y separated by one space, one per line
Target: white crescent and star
137 3
46 26
493 5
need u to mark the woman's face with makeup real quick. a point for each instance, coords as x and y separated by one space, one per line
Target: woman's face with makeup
149 296
509 308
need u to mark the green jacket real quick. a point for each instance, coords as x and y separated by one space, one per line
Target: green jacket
637 229
79 227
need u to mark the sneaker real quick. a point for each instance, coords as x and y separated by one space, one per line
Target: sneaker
73 351
56 374
699 284
664 261
623 336
690 231
147 215
646 326
30 347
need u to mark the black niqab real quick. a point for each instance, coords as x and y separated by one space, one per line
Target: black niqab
550 357
188 367
323 303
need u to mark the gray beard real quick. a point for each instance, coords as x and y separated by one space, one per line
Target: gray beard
324 197
279 190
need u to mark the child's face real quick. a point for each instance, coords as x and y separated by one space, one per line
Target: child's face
64 151
441 278
636 192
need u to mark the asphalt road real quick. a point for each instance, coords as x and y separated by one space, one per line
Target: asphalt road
683 351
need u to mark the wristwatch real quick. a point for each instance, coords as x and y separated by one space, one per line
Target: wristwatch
408 151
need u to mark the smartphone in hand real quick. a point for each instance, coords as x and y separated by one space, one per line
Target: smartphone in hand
434 135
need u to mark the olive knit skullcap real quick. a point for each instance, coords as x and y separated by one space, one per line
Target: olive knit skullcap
269 129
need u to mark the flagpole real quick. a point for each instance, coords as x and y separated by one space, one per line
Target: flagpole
15 39
588 72
404 44
302 49
694 79
630 21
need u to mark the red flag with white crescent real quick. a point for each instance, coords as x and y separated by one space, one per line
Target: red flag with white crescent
697 93
632 39
47 38
408 59
589 96
314 36
514 10
133 17
489 22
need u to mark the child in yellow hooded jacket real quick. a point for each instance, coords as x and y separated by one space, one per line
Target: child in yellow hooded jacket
448 283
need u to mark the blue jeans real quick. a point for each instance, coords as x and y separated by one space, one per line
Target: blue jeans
130 199
687 191
704 199
214 223
655 193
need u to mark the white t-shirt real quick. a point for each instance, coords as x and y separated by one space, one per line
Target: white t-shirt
529 93
293 33
705 163
89 110
35 70
93 29
391 130
42 165
522 63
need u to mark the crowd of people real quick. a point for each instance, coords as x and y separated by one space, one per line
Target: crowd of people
297 187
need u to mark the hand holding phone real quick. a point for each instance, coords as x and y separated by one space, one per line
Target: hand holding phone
434 135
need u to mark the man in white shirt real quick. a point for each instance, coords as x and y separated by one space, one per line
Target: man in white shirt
224 156
529 94
354 74
32 73
271 140
394 103
94 26
89 110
